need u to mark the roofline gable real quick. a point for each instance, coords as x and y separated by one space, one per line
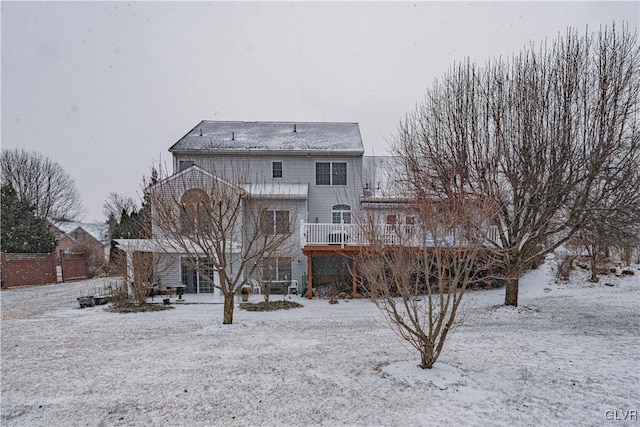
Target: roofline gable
173 147
191 169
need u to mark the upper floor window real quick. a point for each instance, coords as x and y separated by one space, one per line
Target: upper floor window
339 173
184 164
195 211
331 173
323 173
277 222
276 168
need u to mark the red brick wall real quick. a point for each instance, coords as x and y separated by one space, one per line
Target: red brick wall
28 269
73 267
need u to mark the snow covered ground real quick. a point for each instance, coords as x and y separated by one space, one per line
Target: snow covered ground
568 355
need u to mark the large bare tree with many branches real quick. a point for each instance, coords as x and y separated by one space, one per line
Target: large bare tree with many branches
42 182
547 133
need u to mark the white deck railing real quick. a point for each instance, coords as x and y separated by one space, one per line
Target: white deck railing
314 234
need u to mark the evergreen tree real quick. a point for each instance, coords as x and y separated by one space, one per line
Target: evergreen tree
21 230
132 223
145 210
113 223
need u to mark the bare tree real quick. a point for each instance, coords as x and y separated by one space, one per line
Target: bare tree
221 222
117 203
417 276
140 271
538 133
42 182
615 222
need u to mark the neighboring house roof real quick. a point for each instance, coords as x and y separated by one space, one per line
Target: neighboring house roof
97 230
315 137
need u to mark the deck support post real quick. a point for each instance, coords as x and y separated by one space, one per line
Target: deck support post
310 276
353 277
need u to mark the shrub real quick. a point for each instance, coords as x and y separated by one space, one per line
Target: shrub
564 266
130 307
270 306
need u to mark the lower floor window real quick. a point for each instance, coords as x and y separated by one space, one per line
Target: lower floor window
198 275
276 268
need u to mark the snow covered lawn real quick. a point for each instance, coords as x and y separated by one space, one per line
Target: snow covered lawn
569 355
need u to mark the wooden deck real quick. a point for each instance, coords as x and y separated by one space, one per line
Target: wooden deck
346 240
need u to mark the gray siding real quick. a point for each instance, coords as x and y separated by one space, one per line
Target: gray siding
296 169
168 270
291 248
323 197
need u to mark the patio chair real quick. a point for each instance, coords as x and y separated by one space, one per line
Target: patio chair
255 285
293 286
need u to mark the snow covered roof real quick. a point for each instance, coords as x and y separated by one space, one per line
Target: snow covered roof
278 190
97 230
273 136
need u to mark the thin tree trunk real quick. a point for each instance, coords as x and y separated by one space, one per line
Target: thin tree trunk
593 261
228 309
511 295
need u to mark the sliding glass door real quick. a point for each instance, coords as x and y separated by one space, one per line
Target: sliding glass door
198 275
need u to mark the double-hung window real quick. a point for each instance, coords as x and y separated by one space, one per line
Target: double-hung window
277 222
276 169
331 173
276 268
323 173
339 173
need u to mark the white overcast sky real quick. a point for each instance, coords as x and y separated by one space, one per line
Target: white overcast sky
105 88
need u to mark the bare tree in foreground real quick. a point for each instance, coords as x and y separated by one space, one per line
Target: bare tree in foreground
140 275
218 222
539 133
42 182
418 282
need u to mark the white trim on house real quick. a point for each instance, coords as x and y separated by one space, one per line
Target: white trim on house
277 190
166 246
